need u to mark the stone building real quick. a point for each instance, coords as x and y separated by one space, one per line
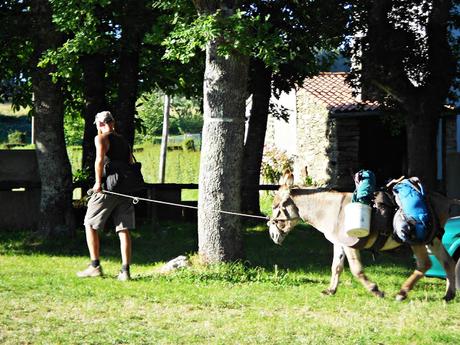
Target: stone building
331 134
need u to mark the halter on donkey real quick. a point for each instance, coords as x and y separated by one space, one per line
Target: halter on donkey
324 210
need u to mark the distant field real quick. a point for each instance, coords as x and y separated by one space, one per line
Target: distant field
13 121
5 109
181 166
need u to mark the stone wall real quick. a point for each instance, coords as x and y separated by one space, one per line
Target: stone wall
315 141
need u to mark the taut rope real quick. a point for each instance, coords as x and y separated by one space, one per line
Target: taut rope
137 199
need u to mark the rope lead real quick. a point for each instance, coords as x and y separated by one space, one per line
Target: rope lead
137 199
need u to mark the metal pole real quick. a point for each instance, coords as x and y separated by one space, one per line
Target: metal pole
164 138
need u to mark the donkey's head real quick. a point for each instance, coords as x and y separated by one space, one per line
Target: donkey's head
285 214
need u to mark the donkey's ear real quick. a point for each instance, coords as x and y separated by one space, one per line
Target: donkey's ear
287 178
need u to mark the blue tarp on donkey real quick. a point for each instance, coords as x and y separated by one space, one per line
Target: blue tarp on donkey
412 222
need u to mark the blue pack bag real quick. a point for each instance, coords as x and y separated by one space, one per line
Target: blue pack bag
411 222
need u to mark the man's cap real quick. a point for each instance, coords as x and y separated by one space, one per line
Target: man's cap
104 116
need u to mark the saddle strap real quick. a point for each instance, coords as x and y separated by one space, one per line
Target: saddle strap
380 241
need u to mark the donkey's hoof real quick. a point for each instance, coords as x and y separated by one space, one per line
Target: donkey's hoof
328 292
378 293
401 297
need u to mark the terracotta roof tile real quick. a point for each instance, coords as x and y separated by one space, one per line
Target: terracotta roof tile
330 89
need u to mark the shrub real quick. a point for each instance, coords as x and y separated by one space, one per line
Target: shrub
16 137
81 175
274 163
74 126
188 145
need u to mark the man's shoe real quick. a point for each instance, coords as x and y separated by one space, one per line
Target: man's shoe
124 276
90 272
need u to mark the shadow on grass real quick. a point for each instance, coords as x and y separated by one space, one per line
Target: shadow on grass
150 243
305 249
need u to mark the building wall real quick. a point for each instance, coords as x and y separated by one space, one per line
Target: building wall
280 133
316 141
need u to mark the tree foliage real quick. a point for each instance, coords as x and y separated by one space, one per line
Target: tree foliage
185 115
404 55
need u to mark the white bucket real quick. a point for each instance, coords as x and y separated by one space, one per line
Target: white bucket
357 219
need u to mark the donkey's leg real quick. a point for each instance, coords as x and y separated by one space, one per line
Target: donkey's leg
338 262
354 260
457 275
423 265
449 266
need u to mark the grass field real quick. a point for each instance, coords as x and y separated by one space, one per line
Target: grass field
271 298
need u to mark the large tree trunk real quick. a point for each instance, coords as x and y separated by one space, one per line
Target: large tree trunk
127 94
421 146
254 146
135 22
56 213
219 235
95 101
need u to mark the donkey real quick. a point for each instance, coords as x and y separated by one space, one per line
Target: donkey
324 210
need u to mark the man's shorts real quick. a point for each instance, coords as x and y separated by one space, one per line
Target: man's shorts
101 206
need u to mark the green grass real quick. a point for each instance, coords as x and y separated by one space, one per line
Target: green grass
271 298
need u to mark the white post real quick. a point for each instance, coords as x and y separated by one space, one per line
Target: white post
32 130
164 138
32 124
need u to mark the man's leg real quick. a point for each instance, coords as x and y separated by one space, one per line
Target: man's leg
125 248
92 240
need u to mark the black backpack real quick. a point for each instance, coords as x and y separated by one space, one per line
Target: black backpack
123 177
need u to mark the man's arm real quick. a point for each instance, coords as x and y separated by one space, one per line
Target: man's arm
102 145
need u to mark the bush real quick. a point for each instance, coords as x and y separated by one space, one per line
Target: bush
274 163
188 145
185 116
74 126
16 137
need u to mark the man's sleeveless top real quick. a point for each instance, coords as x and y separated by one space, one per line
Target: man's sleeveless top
119 149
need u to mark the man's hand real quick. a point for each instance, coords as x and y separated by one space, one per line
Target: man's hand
97 188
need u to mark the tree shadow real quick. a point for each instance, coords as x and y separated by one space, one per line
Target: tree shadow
151 243
307 249
304 249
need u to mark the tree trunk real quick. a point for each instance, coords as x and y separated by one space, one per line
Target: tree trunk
254 146
56 213
95 101
127 94
421 130
135 22
219 235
